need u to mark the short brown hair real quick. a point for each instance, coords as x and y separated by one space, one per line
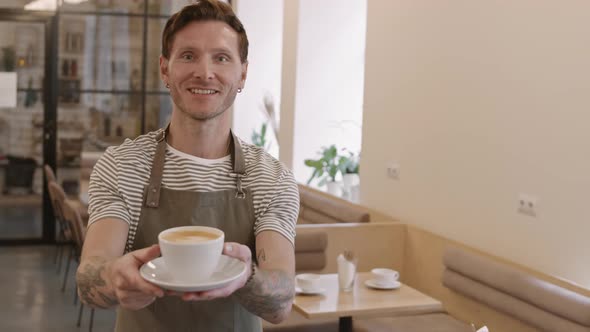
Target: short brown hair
204 10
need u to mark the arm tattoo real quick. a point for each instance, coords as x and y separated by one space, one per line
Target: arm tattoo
261 256
269 294
92 287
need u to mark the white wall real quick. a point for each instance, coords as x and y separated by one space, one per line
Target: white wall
263 20
478 102
288 81
330 73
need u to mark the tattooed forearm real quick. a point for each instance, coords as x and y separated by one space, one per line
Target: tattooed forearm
269 295
92 287
261 256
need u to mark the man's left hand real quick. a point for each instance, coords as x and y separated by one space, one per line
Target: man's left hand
230 249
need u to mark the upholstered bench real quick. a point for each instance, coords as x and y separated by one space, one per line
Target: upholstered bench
474 287
319 208
515 292
310 252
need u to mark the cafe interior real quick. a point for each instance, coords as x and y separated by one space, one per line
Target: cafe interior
441 150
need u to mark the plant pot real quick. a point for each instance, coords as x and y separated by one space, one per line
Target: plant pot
355 194
350 180
334 188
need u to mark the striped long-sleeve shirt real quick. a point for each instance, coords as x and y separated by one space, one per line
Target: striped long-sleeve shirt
118 179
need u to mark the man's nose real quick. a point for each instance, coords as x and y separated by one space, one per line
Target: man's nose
203 69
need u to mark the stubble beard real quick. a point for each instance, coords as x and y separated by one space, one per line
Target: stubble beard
198 116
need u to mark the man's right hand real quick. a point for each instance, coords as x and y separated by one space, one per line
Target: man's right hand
131 290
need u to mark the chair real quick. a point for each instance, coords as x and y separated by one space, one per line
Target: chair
58 198
49 174
63 235
63 206
79 234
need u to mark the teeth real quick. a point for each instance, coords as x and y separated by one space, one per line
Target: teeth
202 91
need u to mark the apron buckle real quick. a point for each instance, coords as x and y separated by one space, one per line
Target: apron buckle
161 136
240 195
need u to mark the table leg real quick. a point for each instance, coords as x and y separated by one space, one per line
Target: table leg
345 324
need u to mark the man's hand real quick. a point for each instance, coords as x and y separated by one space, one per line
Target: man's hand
131 290
230 249
270 293
103 283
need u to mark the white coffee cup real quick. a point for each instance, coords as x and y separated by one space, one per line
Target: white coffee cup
191 253
384 277
308 282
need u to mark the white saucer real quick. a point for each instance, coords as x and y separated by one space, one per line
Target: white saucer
372 284
309 292
228 270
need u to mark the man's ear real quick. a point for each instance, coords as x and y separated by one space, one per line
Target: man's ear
244 74
164 69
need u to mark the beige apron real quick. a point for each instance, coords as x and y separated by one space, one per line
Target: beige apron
230 210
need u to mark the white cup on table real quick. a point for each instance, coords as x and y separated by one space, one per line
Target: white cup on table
384 277
308 282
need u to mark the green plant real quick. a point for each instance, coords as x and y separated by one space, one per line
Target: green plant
351 164
327 166
259 139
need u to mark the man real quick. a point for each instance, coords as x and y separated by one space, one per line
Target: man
193 173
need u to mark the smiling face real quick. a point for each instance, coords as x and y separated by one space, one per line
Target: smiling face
204 70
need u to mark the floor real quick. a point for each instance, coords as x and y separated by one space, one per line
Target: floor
31 294
20 216
33 301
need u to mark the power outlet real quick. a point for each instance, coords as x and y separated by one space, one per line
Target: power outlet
527 205
393 171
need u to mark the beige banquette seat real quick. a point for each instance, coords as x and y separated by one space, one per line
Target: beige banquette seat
317 207
474 287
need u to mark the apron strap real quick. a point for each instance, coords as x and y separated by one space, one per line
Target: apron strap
155 184
153 190
239 165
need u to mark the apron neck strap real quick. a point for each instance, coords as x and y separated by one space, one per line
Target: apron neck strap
237 155
152 197
239 165
153 190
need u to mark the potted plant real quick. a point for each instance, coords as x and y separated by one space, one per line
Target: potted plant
259 139
350 173
326 168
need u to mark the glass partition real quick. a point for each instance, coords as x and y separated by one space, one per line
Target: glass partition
101 53
155 28
22 63
102 6
104 87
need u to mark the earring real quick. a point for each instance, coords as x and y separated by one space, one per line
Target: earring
239 90
167 85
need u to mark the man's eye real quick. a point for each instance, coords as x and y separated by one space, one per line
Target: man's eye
187 56
222 58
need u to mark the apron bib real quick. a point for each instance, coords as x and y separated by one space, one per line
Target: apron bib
229 210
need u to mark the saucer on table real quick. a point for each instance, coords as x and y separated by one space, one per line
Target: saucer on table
228 269
320 290
391 285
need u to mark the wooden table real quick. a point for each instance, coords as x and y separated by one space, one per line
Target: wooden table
363 301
